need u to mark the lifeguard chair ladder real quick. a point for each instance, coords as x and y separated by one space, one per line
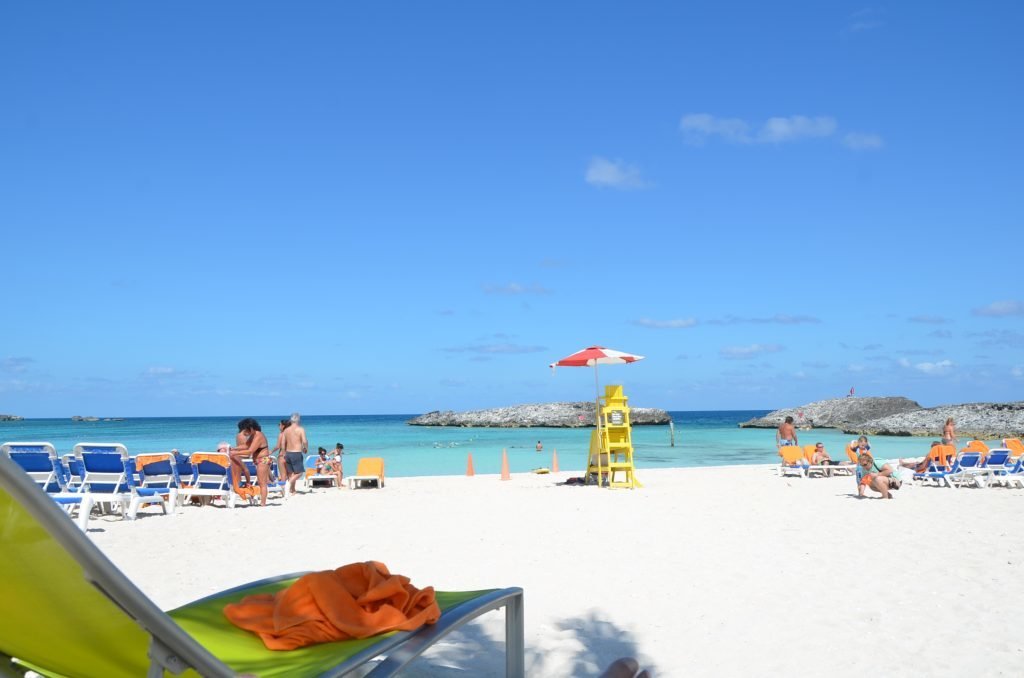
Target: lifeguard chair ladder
611 445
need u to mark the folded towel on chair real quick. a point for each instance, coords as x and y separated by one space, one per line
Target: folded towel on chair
358 600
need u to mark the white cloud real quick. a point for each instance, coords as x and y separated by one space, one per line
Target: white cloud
674 323
16 365
747 352
941 367
613 174
698 127
1017 372
855 368
998 309
782 129
863 141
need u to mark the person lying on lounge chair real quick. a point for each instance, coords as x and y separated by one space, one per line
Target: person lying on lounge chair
919 465
820 456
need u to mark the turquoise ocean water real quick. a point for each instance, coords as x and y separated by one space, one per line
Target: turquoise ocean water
701 439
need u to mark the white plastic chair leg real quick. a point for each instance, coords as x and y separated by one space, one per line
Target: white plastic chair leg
84 510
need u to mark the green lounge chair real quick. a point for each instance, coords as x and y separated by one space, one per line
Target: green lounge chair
67 610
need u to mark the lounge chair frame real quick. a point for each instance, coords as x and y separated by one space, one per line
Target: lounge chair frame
173 650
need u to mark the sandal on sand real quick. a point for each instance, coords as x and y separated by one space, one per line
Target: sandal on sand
894 484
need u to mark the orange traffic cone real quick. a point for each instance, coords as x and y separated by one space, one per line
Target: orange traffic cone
554 461
504 465
469 466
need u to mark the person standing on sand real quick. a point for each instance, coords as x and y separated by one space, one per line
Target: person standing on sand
282 472
258 450
949 433
241 449
786 435
261 455
339 451
295 446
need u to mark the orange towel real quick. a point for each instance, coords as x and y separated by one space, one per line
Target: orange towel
358 600
143 459
216 457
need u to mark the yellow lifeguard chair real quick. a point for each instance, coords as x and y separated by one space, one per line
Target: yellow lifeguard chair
611 444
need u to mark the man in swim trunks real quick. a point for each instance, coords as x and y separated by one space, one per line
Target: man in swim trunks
295 446
786 435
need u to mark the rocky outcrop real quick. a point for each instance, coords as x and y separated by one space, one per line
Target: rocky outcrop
841 413
554 415
973 420
80 418
11 417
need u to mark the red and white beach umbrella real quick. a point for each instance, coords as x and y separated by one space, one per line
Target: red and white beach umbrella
592 356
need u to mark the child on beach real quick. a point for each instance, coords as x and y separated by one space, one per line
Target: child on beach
869 477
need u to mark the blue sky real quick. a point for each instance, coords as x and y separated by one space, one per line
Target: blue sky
233 208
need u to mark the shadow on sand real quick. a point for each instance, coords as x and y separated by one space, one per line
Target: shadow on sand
582 646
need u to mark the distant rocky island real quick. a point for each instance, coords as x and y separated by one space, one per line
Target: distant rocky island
11 417
552 415
898 416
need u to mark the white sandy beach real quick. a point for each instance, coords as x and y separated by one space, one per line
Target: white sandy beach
727 571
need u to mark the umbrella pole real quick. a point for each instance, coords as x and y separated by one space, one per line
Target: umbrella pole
597 417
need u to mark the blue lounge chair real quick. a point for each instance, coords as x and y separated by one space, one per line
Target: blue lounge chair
999 467
67 610
34 459
38 460
73 472
962 470
158 471
109 476
211 477
989 471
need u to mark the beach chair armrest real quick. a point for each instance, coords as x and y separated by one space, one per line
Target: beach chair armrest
456 617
